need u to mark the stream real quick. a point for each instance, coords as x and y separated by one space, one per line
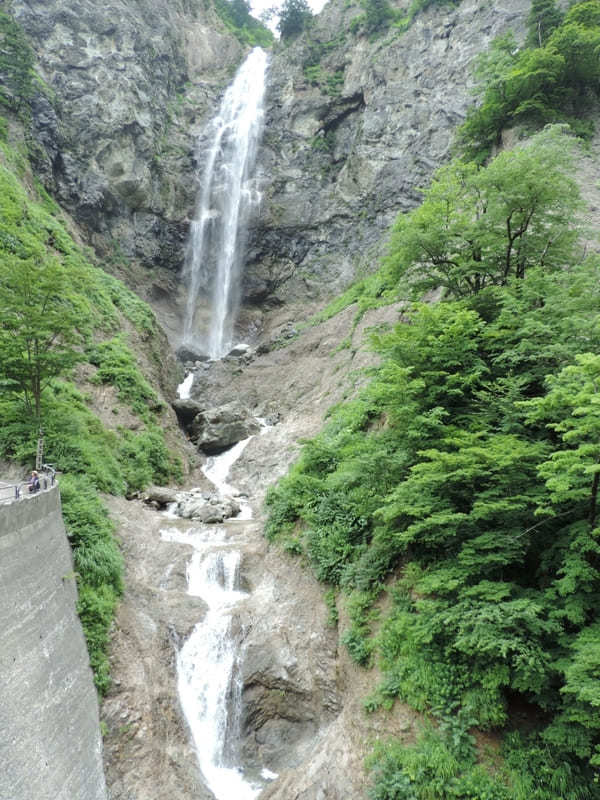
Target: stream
208 663
229 635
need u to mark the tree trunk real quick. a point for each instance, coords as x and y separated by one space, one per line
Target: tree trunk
594 499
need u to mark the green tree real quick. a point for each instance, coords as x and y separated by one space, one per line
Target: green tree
485 226
580 47
557 81
240 12
16 65
378 15
544 17
38 327
294 16
572 408
586 14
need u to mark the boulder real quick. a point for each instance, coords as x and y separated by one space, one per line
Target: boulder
217 437
160 495
186 410
240 350
205 508
217 429
187 353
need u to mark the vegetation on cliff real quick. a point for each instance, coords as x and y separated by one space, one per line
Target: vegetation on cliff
17 76
463 481
379 16
557 81
294 17
236 16
58 314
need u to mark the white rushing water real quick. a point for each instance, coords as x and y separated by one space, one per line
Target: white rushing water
217 469
207 664
209 692
185 387
227 194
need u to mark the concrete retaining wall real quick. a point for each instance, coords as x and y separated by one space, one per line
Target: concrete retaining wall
50 744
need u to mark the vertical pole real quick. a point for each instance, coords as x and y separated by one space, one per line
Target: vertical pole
39 458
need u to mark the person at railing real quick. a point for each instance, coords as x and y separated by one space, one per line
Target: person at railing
34 482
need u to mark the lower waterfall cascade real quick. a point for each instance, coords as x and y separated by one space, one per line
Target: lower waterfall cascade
298 719
208 680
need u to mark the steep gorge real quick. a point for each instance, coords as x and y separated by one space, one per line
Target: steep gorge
136 82
302 696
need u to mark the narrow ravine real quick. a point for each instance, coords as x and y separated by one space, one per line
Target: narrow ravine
208 663
228 673
301 713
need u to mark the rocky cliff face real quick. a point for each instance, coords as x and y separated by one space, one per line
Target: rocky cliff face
128 84
354 127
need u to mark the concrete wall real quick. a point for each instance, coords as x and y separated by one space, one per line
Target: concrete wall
50 744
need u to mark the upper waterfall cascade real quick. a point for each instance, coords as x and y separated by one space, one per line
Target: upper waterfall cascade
227 194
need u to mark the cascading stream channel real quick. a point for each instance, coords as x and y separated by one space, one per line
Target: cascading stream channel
207 686
207 664
226 197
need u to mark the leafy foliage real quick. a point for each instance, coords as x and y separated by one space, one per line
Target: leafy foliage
55 310
116 366
463 481
99 566
556 81
431 769
294 17
16 65
544 17
379 15
238 19
38 327
572 405
481 226
330 80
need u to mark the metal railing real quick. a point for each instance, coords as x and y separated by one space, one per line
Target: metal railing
18 491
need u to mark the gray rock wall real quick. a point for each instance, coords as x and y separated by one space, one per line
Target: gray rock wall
50 745
346 151
355 126
129 82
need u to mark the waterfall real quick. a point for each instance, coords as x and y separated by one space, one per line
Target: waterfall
209 692
209 685
185 387
227 194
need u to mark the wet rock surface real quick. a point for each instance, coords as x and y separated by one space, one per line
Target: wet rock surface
160 496
146 747
187 411
204 507
216 429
